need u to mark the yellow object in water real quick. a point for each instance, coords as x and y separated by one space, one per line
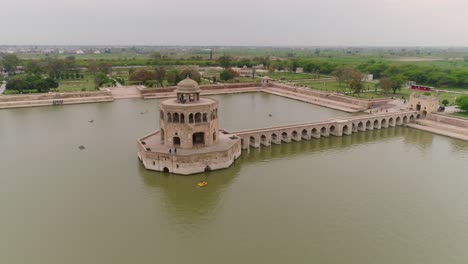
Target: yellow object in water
202 183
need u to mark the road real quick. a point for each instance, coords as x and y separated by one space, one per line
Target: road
2 87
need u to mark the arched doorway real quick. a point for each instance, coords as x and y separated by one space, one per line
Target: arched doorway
376 123
345 129
383 122
207 168
284 135
314 131
274 137
405 120
418 107
332 129
166 169
198 138
323 130
368 124
176 141
214 136
294 134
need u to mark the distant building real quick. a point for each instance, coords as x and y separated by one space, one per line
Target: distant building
79 52
97 52
260 67
427 104
246 72
368 77
299 70
19 69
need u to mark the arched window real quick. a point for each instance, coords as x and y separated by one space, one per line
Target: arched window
182 118
198 117
175 118
191 118
205 117
169 117
161 114
214 136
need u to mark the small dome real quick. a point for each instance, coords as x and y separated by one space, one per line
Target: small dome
187 85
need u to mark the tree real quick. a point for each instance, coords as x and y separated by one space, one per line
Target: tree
21 83
192 73
225 61
92 66
35 67
357 82
9 62
386 85
228 74
105 67
343 74
160 75
141 75
462 103
70 62
397 82
173 76
100 79
445 102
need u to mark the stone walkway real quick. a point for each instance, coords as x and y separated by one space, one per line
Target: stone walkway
125 92
441 129
350 108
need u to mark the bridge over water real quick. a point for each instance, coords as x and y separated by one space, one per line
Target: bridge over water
336 127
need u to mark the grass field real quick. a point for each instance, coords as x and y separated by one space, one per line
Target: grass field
85 84
291 76
461 114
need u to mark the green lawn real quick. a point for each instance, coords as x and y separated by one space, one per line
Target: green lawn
461 114
85 84
332 86
290 76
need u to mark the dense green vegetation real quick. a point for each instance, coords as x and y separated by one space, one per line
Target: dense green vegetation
439 67
30 82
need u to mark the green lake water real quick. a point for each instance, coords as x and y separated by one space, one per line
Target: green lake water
395 195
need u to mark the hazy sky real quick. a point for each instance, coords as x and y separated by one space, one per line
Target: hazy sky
235 22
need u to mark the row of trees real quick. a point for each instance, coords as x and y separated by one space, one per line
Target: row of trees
427 75
355 80
26 82
158 75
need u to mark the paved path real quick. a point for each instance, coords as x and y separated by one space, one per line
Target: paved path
440 131
125 92
2 87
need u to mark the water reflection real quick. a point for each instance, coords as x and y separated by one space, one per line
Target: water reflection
192 207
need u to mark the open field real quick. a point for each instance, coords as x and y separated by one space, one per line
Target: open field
76 85
294 76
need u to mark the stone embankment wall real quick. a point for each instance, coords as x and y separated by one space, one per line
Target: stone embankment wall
448 120
364 103
47 99
148 92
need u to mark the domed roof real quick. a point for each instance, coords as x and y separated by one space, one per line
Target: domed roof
187 85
